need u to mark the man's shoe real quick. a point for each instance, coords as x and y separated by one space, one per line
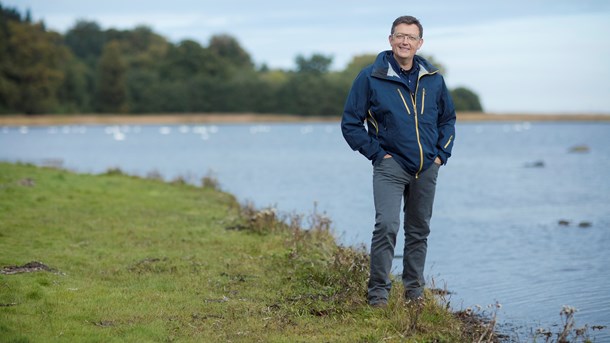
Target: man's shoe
379 304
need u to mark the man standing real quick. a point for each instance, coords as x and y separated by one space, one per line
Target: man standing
411 129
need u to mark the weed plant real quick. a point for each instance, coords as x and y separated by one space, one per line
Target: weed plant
568 332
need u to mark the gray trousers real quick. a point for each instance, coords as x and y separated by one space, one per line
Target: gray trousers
392 184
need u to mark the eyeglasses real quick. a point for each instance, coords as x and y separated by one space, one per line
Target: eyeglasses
403 36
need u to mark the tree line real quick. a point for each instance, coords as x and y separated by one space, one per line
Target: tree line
93 70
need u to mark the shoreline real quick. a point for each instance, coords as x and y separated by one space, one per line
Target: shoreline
242 118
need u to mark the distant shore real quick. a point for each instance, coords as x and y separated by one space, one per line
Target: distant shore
235 118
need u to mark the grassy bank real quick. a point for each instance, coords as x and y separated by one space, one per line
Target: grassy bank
117 258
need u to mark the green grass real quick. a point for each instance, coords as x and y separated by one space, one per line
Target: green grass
139 260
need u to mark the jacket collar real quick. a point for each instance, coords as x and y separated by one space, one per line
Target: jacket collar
382 67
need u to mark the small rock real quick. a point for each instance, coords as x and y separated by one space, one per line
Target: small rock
535 164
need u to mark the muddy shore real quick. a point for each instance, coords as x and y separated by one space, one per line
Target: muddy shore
235 118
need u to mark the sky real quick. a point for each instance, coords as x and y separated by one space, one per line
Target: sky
519 56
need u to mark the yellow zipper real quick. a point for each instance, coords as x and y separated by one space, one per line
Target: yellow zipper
403 100
423 101
374 122
421 150
448 142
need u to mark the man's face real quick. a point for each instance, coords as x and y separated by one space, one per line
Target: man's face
405 41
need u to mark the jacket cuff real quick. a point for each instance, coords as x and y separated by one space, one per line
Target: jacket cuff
441 154
379 156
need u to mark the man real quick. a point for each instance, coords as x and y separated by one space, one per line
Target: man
411 129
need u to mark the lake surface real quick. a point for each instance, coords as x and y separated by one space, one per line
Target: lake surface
496 232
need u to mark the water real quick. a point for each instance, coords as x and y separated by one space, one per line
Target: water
495 230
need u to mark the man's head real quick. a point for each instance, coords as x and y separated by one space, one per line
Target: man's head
409 20
405 39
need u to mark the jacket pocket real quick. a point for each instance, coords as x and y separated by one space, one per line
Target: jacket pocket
428 108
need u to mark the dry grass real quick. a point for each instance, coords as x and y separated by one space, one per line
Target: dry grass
169 118
233 118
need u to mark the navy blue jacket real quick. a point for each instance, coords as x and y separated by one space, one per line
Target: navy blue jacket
414 128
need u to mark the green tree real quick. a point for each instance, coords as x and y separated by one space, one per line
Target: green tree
313 90
317 63
189 59
8 86
112 85
466 100
9 14
229 50
141 47
193 78
357 64
73 94
144 53
267 93
86 40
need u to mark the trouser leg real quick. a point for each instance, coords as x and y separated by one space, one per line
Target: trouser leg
389 182
419 200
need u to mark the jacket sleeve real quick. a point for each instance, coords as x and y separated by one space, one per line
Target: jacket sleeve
354 117
446 125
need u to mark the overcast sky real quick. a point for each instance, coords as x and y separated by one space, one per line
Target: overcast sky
533 56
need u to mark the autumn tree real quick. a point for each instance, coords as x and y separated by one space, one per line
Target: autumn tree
31 70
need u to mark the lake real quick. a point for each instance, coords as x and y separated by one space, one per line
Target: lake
522 211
